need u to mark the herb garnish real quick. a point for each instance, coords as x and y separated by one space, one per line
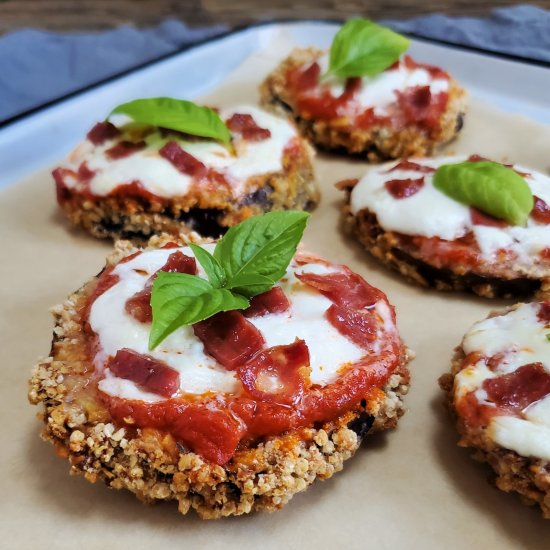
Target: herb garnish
176 114
363 48
247 261
489 186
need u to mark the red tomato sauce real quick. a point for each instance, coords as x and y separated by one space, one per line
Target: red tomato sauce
414 105
75 183
463 251
441 253
277 395
221 423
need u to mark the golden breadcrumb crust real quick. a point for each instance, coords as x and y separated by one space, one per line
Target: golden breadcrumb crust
207 208
377 143
527 476
154 467
487 280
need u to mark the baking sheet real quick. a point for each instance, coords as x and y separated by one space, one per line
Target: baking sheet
411 488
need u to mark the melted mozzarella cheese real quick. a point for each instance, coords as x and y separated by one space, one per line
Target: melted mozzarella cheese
182 350
521 339
155 174
380 91
259 157
471 378
430 213
305 320
523 436
160 177
519 333
117 329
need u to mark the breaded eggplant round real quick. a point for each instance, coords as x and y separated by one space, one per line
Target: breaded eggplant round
136 180
499 393
233 414
409 109
408 224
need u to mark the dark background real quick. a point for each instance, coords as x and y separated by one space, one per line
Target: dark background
88 15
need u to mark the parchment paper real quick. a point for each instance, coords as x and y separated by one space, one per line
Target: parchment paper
411 488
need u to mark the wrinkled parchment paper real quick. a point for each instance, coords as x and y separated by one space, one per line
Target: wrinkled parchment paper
412 488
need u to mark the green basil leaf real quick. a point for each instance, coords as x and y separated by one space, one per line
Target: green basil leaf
548 336
251 284
260 246
247 261
489 186
215 272
179 299
176 114
363 48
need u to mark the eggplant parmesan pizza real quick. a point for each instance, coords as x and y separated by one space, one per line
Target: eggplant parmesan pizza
499 393
170 166
366 97
456 223
238 411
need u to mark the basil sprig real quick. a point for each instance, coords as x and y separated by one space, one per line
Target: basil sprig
489 186
247 261
363 48
176 114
